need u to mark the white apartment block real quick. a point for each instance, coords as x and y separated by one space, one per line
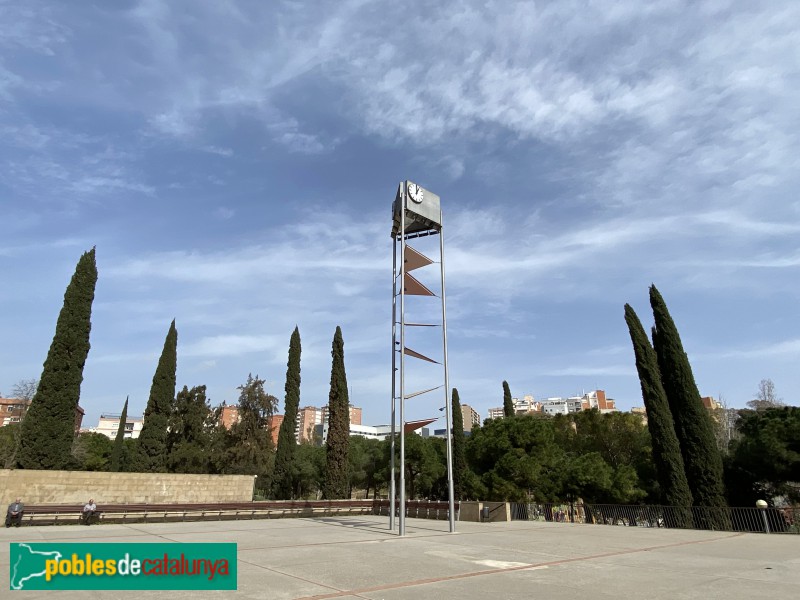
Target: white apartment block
109 425
558 405
375 432
561 406
522 406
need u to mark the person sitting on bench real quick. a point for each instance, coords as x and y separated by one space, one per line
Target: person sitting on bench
14 513
88 512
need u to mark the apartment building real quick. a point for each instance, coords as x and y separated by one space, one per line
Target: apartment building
229 416
375 432
470 417
559 405
524 405
108 425
309 419
13 410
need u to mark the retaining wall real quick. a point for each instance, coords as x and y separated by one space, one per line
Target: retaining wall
64 487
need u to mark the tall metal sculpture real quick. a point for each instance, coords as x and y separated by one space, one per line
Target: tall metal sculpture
416 212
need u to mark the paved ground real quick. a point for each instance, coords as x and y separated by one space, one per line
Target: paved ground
357 557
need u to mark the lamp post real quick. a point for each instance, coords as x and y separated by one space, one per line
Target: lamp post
762 504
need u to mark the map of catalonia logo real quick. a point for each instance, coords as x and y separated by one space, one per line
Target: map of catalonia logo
98 566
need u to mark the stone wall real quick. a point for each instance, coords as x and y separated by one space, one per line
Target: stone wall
66 487
498 511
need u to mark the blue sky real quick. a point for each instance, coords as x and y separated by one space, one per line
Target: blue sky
235 164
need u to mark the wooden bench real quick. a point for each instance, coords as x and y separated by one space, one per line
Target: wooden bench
56 514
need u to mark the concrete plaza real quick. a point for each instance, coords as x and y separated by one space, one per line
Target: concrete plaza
358 557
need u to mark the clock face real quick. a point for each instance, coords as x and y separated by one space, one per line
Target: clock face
415 192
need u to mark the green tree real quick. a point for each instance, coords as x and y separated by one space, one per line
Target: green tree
508 402
91 452
764 461
283 485
336 446
190 426
586 476
516 460
128 455
309 469
49 427
119 440
621 442
425 467
460 468
701 457
9 444
152 442
666 448
249 443
364 464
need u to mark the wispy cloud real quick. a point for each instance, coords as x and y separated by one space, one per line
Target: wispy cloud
784 350
591 371
228 160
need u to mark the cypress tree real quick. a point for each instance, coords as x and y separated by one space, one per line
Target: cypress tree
152 442
459 451
48 429
119 441
284 457
508 403
701 457
337 444
666 448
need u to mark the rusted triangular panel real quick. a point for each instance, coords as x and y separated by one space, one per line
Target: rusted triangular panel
419 393
412 287
410 352
415 259
414 425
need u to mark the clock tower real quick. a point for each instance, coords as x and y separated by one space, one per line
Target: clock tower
416 213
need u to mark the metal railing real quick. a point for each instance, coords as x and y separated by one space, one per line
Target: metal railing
420 509
764 520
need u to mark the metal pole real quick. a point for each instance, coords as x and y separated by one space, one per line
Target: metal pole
402 526
762 506
394 380
448 405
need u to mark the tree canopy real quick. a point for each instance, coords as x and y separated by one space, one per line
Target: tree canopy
248 445
283 484
508 402
191 426
48 430
119 440
151 446
764 461
666 450
336 445
460 468
701 457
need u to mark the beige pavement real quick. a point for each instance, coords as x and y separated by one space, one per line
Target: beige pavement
358 557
